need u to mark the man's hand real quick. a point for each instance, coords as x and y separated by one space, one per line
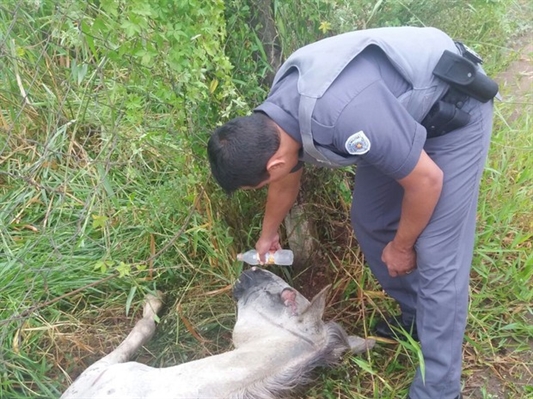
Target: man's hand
399 261
281 196
422 188
267 244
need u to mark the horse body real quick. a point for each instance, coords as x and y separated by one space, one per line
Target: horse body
279 337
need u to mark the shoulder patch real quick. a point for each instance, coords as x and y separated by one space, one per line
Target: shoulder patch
357 144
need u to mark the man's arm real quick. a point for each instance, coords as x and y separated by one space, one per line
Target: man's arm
422 189
281 197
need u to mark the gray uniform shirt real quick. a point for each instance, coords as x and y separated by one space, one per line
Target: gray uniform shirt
364 97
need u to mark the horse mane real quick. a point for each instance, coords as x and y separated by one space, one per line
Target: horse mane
287 379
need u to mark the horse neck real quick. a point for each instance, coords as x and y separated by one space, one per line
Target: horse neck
278 368
254 370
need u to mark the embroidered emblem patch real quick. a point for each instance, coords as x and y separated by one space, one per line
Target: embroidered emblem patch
357 144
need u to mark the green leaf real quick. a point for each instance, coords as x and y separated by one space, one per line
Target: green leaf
131 295
100 266
123 269
99 221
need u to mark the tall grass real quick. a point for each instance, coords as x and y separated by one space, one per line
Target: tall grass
105 192
103 196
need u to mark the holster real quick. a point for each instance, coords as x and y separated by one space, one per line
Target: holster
443 118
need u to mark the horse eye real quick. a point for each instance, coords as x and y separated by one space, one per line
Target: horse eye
276 298
273 296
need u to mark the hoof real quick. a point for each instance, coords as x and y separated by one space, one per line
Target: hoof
152 304
360 345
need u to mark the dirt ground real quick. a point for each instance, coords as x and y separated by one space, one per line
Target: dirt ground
517 81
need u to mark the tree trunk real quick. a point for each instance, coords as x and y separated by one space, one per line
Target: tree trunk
264 25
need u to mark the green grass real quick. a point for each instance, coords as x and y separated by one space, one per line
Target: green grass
105 195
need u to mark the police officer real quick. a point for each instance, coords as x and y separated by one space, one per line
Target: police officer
420 142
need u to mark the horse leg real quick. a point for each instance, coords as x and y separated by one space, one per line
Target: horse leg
142 332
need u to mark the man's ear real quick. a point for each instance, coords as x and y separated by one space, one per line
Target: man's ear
275 163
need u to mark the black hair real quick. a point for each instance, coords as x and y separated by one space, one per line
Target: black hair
240 150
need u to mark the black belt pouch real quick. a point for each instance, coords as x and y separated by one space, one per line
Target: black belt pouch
465 76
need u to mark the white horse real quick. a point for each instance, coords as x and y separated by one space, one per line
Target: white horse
279 338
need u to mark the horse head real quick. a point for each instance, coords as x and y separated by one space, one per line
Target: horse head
269 309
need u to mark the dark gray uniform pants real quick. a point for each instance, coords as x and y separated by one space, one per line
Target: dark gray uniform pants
437 292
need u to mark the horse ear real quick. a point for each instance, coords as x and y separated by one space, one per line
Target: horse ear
288 296
318 304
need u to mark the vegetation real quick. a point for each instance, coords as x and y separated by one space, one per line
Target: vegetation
105 193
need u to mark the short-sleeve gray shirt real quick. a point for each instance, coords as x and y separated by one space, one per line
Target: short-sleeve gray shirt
364 97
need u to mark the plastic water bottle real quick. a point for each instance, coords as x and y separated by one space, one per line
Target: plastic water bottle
282 257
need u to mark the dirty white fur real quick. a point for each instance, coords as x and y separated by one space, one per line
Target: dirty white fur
279 338
299 374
